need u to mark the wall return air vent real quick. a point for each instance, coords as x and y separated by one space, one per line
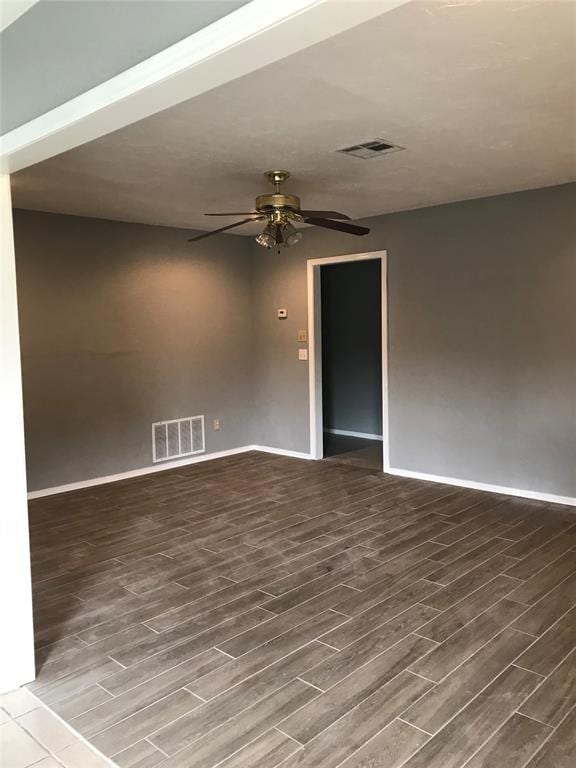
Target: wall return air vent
177 438
371 149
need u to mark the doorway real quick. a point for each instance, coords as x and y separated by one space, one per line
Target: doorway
348 356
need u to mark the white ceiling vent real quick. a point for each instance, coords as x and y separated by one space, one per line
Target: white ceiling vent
371 149
176 438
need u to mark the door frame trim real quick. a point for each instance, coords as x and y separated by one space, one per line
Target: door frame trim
315 348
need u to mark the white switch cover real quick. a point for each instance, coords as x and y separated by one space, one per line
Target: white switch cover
302 354
282 314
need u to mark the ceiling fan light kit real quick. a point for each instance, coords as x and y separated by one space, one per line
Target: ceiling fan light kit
280 210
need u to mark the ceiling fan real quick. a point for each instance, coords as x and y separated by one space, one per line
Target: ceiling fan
279 211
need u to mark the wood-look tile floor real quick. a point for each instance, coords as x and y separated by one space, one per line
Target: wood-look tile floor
261 611
356 451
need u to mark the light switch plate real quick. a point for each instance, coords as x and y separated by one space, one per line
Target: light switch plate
302 335
282 314
302 354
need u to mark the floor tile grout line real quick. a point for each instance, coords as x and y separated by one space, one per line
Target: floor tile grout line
203 614
531 553
152 677
424 637
229 655
202 699
567 578
389 597
545 678
348 711
521 631
77 734
483 744
321 690
374 737
479 693
557 620
340 613
519 666
499 631
207 733
39 762
277 728
155 746
148 735
261 669
548 737
364 664
530 717
274 616
428 680
142 709
116 662
323 642
235 752
412 725
45 749
181 642
444 726
483 562
466 597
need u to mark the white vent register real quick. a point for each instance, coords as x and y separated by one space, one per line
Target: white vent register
176 438
371 149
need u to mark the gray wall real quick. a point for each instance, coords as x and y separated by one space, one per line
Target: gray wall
482 338
352 346
123 325
101 37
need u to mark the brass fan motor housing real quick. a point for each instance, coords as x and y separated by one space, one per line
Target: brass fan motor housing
270 203
278 204
279 211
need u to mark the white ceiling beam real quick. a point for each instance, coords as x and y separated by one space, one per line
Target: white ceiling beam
249 38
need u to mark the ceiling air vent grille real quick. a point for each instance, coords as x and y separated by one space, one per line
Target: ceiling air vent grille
178 437
371 149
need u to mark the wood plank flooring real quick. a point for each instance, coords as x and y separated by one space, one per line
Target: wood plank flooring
261 611
356 451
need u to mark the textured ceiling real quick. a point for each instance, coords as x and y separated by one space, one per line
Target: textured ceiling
481 94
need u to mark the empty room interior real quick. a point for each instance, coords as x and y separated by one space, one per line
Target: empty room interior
288 384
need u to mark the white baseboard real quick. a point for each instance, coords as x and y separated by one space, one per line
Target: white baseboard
549 497
280 451
348 433
138 472
537 495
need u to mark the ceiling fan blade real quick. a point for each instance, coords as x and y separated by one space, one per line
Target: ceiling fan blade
324 214
237 213
341 226
223 229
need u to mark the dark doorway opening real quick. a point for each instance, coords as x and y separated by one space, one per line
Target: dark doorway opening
351 323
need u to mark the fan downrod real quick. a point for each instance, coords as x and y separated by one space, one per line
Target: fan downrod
277 178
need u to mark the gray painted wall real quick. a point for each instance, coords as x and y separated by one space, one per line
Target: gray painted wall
482 338
123 325
101 37
352 346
